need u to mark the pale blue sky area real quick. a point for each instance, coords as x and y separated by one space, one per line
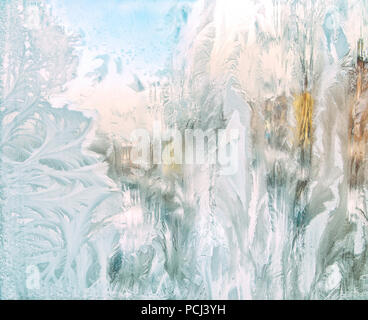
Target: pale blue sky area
144 31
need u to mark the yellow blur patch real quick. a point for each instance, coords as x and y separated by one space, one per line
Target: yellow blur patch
170 167
303 106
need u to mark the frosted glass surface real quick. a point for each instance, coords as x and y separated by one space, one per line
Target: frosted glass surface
183 149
